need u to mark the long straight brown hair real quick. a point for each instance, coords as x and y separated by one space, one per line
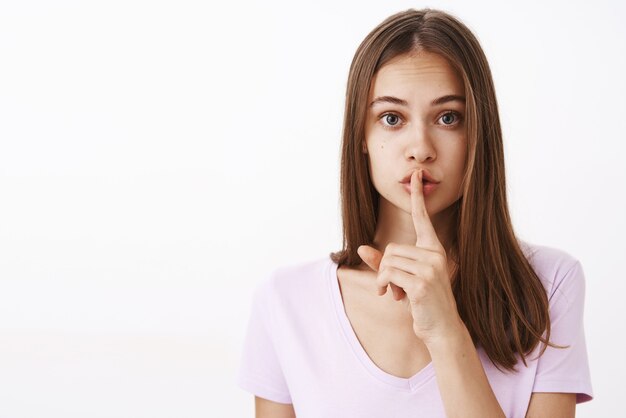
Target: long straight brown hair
499 296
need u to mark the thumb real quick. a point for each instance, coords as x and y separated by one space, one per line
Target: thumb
371 256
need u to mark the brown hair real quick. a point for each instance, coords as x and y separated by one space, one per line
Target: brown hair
499 297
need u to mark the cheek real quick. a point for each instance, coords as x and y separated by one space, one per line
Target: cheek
379 167
379 158
460 157
460 163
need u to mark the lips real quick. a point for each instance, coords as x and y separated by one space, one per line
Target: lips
426 177
427 188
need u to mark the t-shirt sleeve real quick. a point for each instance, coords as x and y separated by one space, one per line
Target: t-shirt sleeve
260 370
566 370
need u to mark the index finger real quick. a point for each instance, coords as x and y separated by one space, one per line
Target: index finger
426 235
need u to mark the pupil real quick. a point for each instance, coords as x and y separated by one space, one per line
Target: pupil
447 116
392 120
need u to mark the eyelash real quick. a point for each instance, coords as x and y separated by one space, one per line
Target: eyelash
394 127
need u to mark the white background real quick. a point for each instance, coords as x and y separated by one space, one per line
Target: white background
157 158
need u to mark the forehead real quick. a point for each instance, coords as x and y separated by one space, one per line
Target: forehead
425 73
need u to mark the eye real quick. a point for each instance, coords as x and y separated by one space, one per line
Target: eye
448 118
392 120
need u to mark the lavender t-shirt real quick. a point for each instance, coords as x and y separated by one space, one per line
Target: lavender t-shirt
300 348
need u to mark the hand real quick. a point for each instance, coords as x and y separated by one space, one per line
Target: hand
418 275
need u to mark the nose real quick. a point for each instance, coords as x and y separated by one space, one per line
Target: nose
420 146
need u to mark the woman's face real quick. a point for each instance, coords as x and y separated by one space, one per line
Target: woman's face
405 130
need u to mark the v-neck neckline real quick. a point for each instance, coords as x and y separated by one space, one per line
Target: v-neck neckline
410 384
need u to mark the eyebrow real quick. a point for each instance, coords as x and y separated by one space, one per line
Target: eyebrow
440 100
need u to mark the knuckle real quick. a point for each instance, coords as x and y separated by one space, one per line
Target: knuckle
428 272
439 262
420 290
379 280
383 278
383 263
431 270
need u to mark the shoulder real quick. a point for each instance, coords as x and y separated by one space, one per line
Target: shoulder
293 280
563 369
557 268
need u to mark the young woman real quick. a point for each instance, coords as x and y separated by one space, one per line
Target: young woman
477 323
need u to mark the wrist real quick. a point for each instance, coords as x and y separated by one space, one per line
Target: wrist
454 336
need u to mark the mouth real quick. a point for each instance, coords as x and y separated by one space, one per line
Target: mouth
427 178
427 187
